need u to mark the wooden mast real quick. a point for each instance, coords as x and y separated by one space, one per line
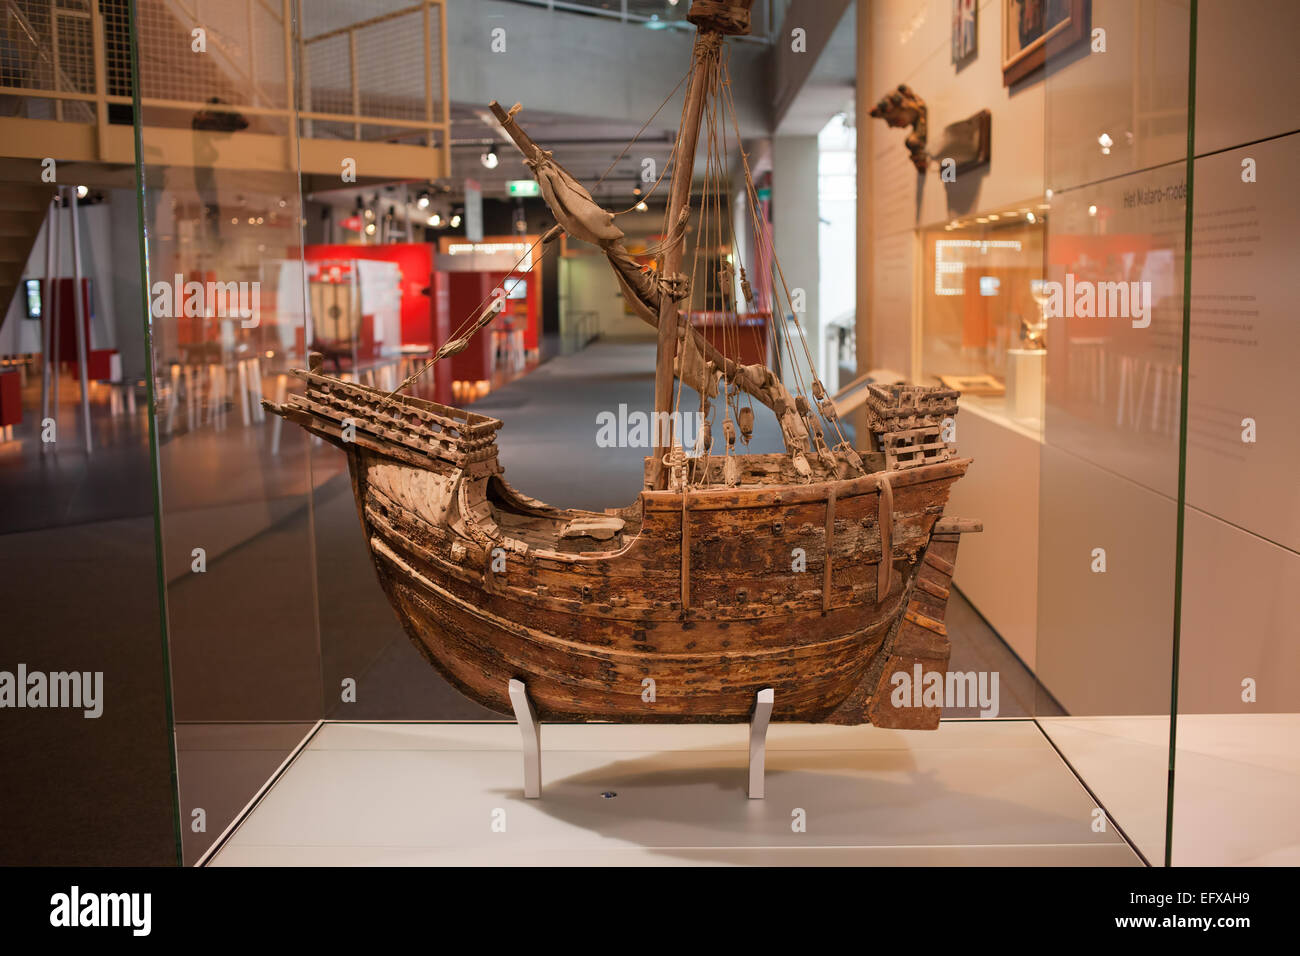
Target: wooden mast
713 19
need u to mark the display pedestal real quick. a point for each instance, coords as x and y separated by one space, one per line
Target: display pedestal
530 730
978 792
1025 382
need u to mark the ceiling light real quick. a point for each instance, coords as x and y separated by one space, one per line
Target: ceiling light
455 222
489 159
435 220
1092 210
422 200
370 229
641 206
83 192
1031 218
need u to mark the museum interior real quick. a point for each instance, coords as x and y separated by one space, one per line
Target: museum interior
276 589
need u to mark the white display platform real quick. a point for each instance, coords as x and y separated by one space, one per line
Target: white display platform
1237 783
972 792
1025 368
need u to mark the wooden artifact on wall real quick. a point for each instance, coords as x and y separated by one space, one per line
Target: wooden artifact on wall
1033 30
904 108
820 572
967 142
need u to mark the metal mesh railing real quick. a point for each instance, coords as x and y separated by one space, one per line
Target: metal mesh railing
48 47
364 70
384 67
662 14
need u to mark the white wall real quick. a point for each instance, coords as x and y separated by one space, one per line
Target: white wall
100 260
910 43
587 283
1103 644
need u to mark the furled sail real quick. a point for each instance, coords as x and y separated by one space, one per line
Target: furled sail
583 218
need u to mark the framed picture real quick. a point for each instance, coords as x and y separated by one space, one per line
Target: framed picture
1032 30
964 14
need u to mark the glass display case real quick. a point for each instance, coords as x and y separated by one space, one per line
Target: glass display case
983 310
1122 341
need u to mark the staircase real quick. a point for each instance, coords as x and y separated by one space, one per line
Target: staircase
23 208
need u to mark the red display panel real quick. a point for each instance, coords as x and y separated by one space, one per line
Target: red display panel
415 261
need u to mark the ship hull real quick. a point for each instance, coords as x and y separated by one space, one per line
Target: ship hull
713 598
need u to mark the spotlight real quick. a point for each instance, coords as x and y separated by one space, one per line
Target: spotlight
83 192
489 159
1092 210
435 220
422 200
455 222
370 229
641 206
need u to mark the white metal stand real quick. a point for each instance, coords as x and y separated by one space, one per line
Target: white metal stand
531 732
49 309
51 360
763 702
79 313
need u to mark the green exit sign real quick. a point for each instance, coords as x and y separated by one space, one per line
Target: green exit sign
523 187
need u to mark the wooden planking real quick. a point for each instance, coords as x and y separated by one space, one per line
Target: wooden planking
885 520
702 599
829 558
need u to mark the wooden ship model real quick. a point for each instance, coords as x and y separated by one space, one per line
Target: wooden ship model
820 572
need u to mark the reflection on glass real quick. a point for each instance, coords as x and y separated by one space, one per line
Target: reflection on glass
984 330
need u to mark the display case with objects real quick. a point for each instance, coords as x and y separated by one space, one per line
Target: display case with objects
984 312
